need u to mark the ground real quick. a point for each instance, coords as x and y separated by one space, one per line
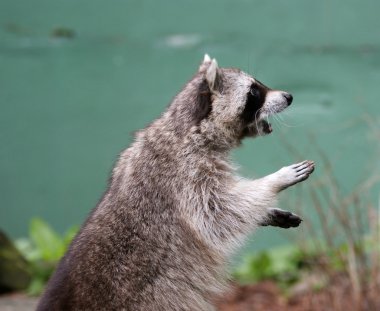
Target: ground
257 297
266 296
17 302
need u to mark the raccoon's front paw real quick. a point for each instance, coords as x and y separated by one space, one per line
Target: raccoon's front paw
280 218
293 174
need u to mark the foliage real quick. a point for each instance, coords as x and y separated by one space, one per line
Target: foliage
281 264
43 250
350 236
346 250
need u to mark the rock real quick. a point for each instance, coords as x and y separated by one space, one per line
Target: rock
15 273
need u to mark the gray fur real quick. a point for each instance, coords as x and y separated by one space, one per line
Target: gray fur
175 210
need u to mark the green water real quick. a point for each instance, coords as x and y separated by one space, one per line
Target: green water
69 105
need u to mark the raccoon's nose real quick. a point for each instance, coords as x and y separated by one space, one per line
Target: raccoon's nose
288 97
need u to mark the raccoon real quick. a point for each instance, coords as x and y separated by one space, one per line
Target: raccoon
175 209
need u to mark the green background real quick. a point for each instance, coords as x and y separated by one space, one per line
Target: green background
68 106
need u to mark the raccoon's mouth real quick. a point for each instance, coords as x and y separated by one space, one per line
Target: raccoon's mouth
261 127
266 127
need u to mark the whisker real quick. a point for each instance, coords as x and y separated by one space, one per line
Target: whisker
257 126
280 118
287 113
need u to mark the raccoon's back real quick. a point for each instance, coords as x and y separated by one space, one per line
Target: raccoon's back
135 251
123 259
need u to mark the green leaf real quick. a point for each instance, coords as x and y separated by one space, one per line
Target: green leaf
36 286
49 244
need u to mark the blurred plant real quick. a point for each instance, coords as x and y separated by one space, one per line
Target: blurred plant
339 252
280 264
349 242
43 250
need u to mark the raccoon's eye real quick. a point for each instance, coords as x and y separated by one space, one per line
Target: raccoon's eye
254 92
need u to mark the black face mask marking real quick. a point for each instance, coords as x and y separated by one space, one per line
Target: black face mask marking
255 100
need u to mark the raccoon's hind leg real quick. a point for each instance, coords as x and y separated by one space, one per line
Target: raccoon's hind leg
280 218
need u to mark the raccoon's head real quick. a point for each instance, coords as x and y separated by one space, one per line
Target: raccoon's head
236 104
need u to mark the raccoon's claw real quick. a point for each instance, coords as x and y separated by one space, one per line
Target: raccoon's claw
280 218
293 174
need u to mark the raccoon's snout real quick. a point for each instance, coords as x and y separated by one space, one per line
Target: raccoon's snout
275 102
288 97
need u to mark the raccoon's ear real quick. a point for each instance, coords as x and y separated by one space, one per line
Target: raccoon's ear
212 75
210 69
206 62
207 58
202 107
